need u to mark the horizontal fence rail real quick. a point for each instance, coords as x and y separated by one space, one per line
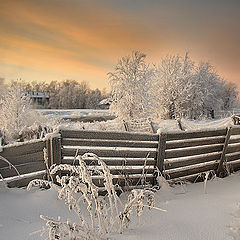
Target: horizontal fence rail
133 158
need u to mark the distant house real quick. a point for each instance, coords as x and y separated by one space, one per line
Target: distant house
38 98
105 103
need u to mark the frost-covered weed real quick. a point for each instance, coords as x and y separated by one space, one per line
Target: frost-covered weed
79 190
135 201
209 175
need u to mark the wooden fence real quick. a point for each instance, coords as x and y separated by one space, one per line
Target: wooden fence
26 157
133 158
189 154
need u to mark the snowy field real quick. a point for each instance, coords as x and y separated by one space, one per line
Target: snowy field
191 213
222 119
73 113
71 118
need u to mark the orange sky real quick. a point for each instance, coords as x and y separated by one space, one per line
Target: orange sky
83 39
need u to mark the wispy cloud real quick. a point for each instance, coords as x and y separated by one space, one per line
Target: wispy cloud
83 39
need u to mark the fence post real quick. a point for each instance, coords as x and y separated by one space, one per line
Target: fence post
1 141
54 151
220 169
125 126
161 151
1 144
179 123
151 125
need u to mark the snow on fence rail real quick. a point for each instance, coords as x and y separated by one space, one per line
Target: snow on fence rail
133 158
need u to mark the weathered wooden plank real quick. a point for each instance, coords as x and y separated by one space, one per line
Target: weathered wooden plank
124 170
189 178
195 134
127 188
233 148
171 164
161 151
49 152
16 160
123 179
129 171
109 153
234 140
23 181
85 134
108 143
235 130
23 149
114 161
194 142
57 149
232 156
22 168
194 169
220 169
54 149
131 180
234 165
175 153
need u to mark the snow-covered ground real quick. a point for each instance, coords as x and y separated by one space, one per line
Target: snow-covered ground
72 113
169 125
78 114
191 213
162 125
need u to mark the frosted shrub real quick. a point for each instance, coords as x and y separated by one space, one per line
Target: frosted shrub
105 214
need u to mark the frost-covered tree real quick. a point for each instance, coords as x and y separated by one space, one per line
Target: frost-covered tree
172 85
230 96
65 94
210 89
94 97
130 87
184 89
16 114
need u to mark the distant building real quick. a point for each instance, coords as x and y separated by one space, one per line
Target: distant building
105 103
38 98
